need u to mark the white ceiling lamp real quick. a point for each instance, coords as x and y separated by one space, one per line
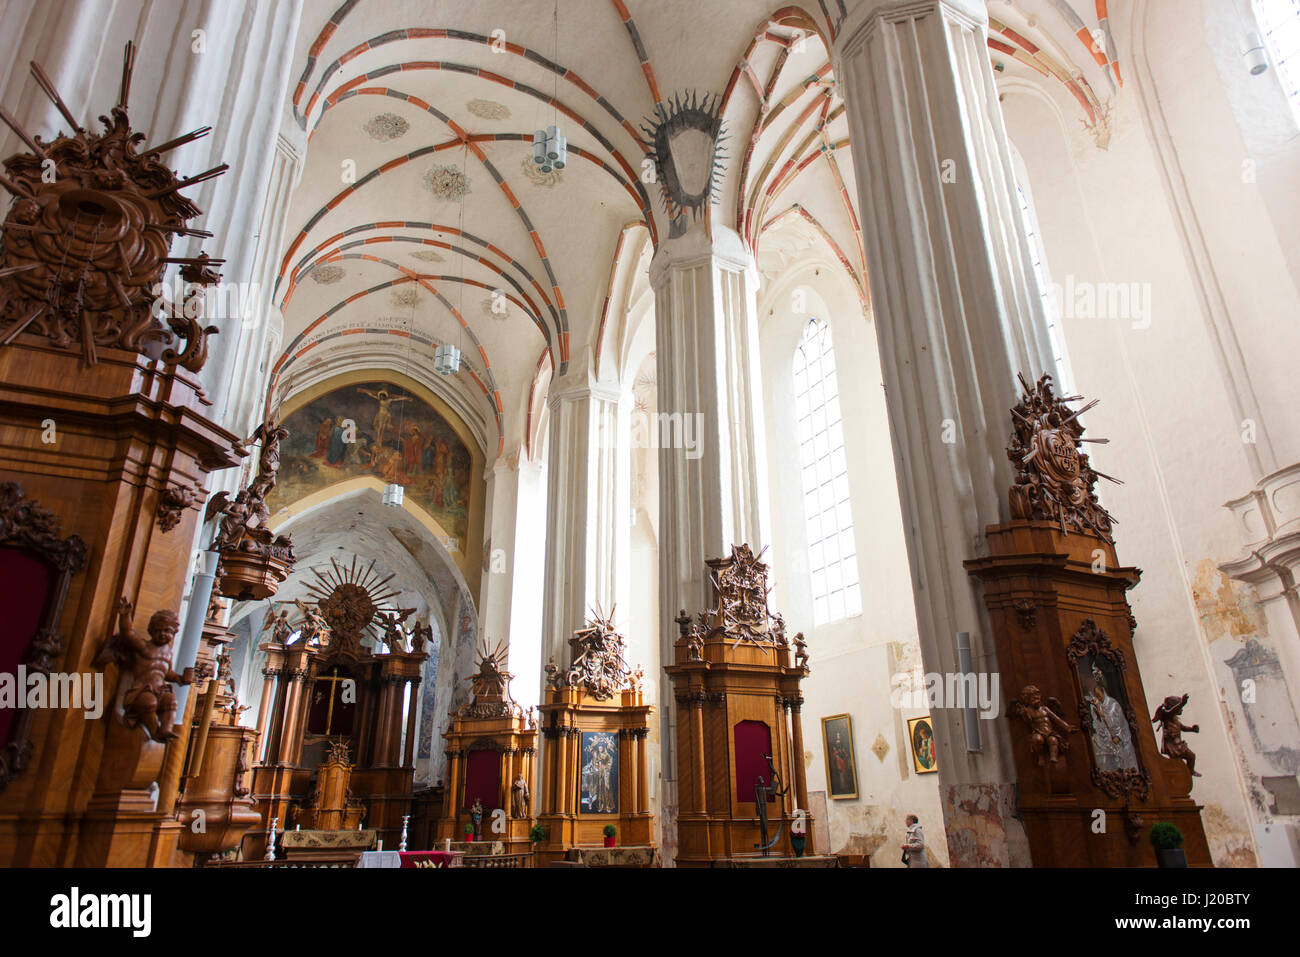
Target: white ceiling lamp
446 359
394 494
550 149
1256 58
551 146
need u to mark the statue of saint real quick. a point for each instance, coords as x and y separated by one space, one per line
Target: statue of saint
1112 744
519 797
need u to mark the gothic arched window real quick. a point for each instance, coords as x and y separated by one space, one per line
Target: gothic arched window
832 553
1279 23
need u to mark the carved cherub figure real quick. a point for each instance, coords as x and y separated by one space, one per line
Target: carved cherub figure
800 651
552 675
1047 728
1172 745
148 700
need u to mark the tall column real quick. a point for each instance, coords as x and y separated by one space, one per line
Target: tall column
412 716
711 436
958 315
585 527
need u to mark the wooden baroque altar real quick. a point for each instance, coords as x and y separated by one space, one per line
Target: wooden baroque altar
1081 722
595 722
491 756
326 691
739 725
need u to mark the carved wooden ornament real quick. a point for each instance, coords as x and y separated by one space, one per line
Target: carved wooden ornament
87 241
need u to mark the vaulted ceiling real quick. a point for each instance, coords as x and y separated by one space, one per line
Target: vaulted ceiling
420 219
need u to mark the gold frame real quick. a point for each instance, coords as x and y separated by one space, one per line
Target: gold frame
826 755
911 744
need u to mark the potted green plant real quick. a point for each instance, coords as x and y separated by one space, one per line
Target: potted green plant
798 841
468 831
609 830
537 833
1168 843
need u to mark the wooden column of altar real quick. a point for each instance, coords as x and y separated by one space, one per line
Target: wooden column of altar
1063 629
490 731
740 700
595 722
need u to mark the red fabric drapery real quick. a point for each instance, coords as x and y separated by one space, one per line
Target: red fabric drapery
753 742
25 583
483 780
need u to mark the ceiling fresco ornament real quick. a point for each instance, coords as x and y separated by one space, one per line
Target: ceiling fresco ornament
685 141
1054 481
84 253
598 666
327 275
488 109
405 298
386 126
537 177
447 182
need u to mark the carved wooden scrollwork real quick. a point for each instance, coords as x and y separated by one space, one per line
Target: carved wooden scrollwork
85 251
1054 480
26 526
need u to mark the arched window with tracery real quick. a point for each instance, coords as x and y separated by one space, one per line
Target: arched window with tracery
832 551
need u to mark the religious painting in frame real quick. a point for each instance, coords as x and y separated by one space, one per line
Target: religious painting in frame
598 773
920 732
841 765
1106 717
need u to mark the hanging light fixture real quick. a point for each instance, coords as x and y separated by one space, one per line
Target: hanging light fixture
550 149
394 494
551 146
446 357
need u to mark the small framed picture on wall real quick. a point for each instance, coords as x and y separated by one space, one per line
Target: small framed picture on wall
841 766
921 733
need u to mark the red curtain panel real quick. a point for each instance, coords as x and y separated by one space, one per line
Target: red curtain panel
483 779
25 583
753 743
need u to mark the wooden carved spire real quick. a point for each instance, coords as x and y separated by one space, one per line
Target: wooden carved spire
87 239
1054 481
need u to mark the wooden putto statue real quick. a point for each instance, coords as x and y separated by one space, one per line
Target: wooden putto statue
1047 729
1172 745
147 665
